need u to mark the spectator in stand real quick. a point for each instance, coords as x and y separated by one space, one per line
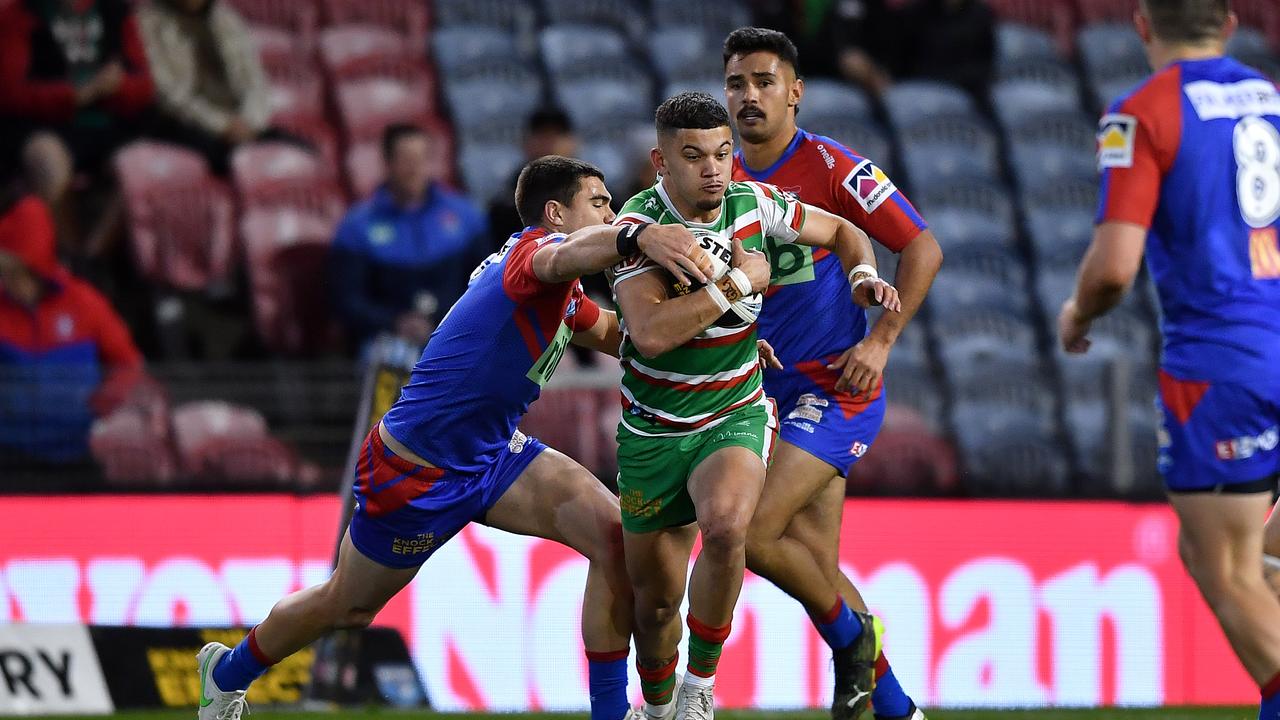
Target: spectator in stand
65 355
73 84
403 256
875 42
549 131
211 90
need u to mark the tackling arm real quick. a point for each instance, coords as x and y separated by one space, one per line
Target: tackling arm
603 337
595 248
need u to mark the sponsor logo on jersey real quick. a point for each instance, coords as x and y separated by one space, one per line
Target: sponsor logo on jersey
806 412
1116 132
800 426
517 442
1246 446
811 399
869 185
826 156
859 449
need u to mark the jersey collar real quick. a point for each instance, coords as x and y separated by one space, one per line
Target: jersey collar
671 208
763 175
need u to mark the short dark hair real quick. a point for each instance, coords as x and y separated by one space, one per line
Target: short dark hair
394 133
747 40
690 111
551 177
1186 21
549 119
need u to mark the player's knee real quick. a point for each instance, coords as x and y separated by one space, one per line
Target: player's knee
723 532
653 613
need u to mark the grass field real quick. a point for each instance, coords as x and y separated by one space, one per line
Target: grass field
1107 714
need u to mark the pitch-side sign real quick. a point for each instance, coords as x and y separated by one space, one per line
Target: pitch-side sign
987 603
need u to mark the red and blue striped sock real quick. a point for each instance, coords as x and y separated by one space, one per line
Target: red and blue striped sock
245 663
888 698
838 626
607 684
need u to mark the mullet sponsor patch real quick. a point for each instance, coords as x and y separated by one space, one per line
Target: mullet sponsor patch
1116 132
869 185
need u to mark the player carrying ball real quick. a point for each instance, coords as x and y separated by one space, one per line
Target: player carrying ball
697 430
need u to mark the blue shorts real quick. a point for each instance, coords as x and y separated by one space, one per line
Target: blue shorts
404 511
1219 436
835 427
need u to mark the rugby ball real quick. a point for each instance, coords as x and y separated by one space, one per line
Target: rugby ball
720 249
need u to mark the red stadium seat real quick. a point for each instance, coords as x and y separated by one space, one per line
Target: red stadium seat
220 441
294 21
287 257
346 45
407 17
1056 17
1263 15
132 448
282 176
315 130
1098 11
181 219
368 105
297 88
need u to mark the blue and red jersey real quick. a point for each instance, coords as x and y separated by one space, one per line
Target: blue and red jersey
1193 155
489 358
64 360
808 313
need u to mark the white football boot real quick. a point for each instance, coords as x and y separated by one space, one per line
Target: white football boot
217 704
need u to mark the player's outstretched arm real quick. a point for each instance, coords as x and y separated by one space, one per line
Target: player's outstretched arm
594 249
658 324
1107 272
603 337
849 243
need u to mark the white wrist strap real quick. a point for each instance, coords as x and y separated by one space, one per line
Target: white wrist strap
740 281
717 295
863 268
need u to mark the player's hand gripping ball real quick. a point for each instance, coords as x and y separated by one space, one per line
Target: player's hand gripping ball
745 310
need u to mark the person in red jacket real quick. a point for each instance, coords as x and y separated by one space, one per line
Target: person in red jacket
65 355
73 85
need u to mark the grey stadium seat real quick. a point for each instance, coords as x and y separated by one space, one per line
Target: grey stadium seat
487 169
1015 41
513 15
912 100
960 227
455 48
1106 46
823 97
717 18
606 100
619 14
573 50
683 52
483 101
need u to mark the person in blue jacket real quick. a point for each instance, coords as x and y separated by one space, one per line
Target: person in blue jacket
403 255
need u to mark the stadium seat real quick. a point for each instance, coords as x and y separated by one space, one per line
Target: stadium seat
863 137
1059 237
1248 41
576 51
1041 163
180 218
981 334
511 15
607 100
1107 11
1016 99
916 388
486 101
1261 15
314 130
713 86
487 168
218 441
618 14
298 99
1016 42
132 446
1052 16
1074 193
351 45
368 105
1023 462
283 24
988 198
957 227
281 176
561 416
827 98
988 263
717 19
905 462
455 48
286 253
943 149
912 100
406 17
684 52
612 159
1113 60
1071 128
